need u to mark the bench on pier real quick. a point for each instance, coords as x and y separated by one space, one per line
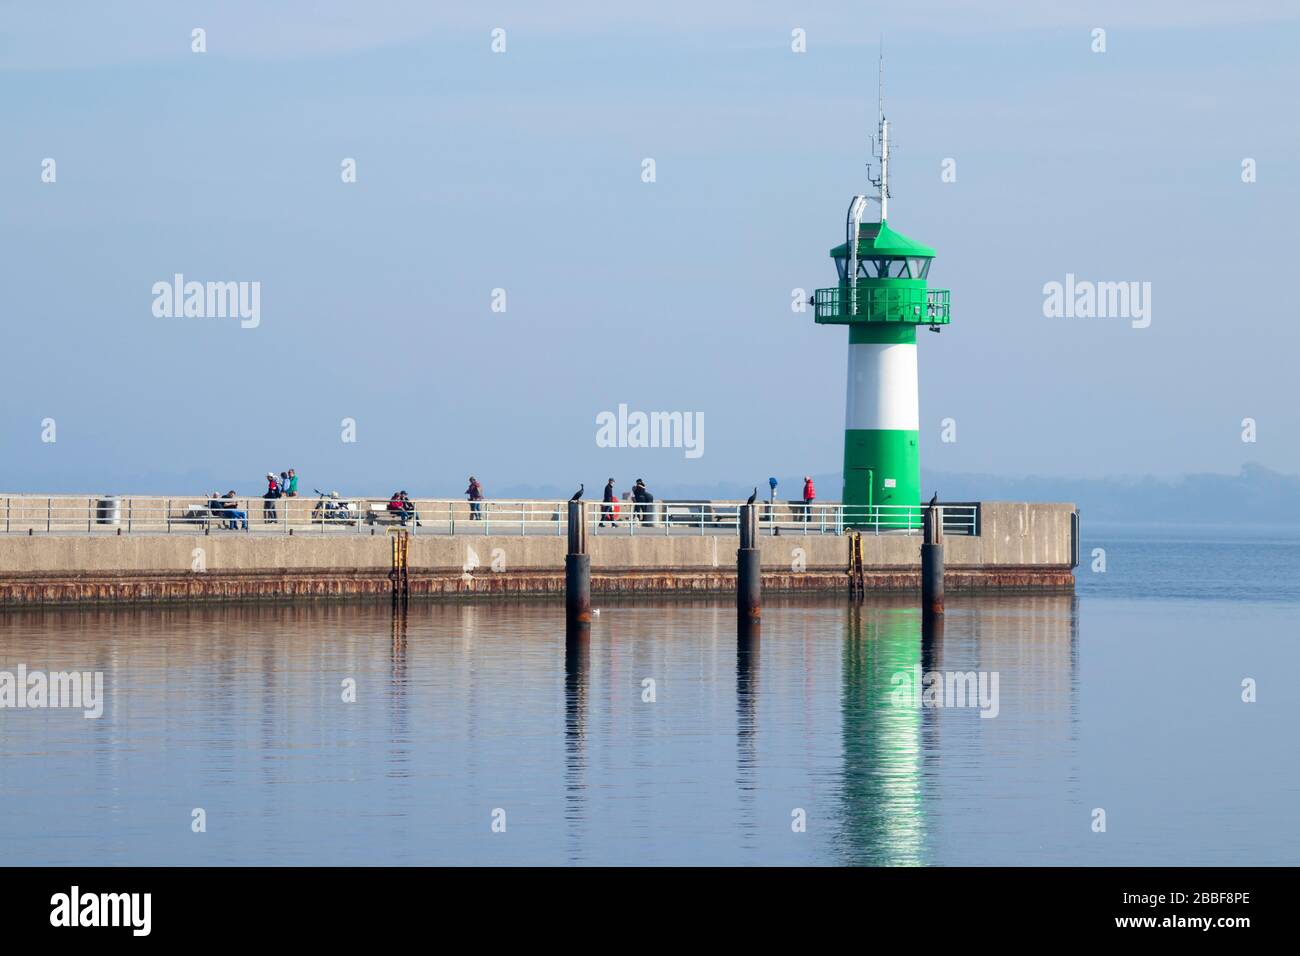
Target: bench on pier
201 515
701 513
379 514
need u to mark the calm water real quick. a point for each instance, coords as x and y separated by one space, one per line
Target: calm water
1126 698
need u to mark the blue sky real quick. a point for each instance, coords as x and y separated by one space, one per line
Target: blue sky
522 171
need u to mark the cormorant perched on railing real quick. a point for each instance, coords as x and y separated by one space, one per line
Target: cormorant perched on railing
752 497
934 500
577 495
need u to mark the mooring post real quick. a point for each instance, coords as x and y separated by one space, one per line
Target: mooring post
932 561
577 568
400 573
749 578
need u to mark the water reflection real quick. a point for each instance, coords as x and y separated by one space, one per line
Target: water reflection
464 707
747 647
747 643
577 672
399 711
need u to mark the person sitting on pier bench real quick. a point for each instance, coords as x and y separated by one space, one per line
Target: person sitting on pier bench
403 508
232 513
216 508
408 509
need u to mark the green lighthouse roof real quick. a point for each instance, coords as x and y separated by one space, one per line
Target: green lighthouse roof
876 239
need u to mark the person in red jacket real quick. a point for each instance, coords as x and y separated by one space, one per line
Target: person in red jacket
273 491
809 495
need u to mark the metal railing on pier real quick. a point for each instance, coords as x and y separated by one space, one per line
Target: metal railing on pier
141 514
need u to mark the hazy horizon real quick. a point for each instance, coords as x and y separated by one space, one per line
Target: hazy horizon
1254 488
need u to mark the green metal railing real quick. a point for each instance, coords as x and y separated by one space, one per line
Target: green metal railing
911 304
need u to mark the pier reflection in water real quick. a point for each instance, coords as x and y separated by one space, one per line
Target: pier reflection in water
748 634
577 673
659 735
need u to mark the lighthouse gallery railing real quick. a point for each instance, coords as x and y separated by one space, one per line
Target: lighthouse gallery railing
884 304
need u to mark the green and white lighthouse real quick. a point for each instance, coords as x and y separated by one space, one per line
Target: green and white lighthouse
882 297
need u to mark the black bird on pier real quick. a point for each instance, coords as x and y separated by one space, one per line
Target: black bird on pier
752 497
934 500
577 495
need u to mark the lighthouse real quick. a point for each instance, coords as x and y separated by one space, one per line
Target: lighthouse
883 298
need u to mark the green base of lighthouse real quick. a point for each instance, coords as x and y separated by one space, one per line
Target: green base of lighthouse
881 474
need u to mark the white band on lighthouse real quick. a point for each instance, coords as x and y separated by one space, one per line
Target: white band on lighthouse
882 388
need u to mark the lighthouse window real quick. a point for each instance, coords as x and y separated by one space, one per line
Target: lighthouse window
875 268
879 267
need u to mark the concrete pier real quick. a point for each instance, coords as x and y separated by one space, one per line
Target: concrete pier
1017 547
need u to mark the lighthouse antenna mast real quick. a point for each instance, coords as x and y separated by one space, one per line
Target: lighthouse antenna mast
881 150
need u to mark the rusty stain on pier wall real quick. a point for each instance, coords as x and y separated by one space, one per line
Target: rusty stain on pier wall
165 586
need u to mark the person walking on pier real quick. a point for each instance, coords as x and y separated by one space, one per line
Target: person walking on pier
272 493
291 491
608 504
809 496
475 494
